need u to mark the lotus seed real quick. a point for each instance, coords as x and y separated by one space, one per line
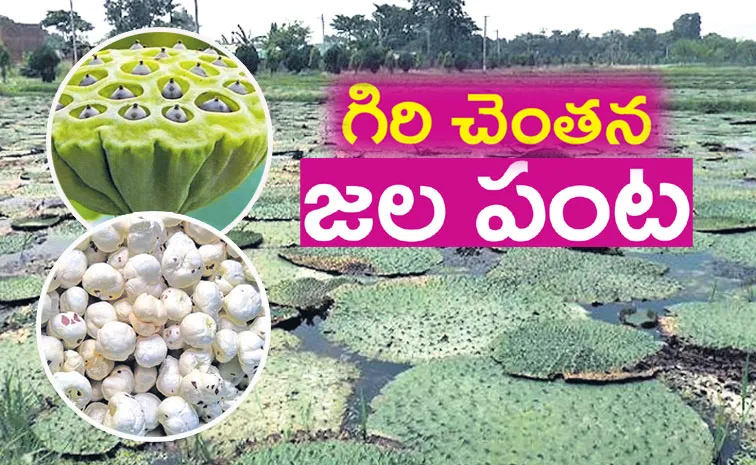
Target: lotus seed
215 105
95 61
141 69
180 45
88 80
137 45
88 112
198 70
238 87
162 54
176 114
122 93
135 112
172 90
220 62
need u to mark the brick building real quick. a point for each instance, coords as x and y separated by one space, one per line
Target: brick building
19 38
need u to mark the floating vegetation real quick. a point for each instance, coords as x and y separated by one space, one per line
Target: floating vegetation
60 430
366 261
277 203
306 293
333 452
726 324
20 288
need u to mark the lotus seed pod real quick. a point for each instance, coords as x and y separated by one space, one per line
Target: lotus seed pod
226 322
141 69
250 351
208 298
53 351
150 351
177 114
243 303
179 45
96 411
172 90
260 326
198 330
68 327
225 345
49 306
216 105
125 415
116 341
162 54
177 303
95 61
172 337
118 258
144 378
177 416
123 310
70 269
137 45
72 361
169 377
195 359
150 404
135 113
199 387
212 256
96 391
146 235
149 309
182 268
143 329
198 70
96 366
238 87
74 299
209 412
122 93
231 274
103 281
88 80
199 234
97 315
120 380
74 386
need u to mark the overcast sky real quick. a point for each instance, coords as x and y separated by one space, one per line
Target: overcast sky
732 18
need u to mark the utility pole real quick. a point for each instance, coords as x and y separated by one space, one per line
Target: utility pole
322 25
196 15
73 33
485 39
498 48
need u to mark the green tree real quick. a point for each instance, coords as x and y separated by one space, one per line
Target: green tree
127 15
5 63
390 61
396 27
687 26
333 59
357 30
372 59
247 54
60 20
462 61
42 63
315 59
296 60
406 60
446 22
286 43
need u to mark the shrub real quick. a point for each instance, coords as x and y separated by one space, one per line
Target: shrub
247 54
296 60
332 59
273 60
355 60
315 58
372 59
42 63
406 60
390 61
448 60
461 61
5 63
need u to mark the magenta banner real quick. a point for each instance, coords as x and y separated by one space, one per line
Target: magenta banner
536 202
578 114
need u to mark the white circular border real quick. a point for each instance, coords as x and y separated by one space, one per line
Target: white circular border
252 382
138 32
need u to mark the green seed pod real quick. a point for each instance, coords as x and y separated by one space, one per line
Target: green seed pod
190 140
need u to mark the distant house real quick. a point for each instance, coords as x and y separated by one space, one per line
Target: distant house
19 38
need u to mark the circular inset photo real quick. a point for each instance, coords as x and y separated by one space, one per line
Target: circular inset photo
153 326
159 120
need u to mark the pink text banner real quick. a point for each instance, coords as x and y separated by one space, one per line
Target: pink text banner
534 202
482 115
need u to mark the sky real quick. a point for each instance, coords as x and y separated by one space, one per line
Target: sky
730 18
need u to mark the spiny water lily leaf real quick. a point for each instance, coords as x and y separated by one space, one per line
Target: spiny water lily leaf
466 411
306 293
125 456
20 288
584 276
725 216
245 239
274 269
739 248
277 203
422 318
14 243
67 230
298 391
276 233
61 430
579 349
716 325
701 243
33 224
19 349
366 261
331 452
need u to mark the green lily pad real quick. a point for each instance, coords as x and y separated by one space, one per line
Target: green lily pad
274 269
33 224
739 248
584 276
279 313
422 318
14 243
67 230
725 216
245 239
299 391
717 325
20 351
20 288
277 202
577 349
305 294
122 456
276 233
331 452
61 430
465 411
366 261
